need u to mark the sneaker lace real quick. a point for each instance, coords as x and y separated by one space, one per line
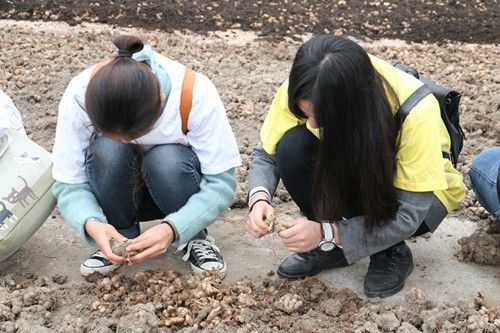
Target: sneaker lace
99 253
203 249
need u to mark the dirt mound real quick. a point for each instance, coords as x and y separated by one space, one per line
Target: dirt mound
483 246
165 301
421 20
202 302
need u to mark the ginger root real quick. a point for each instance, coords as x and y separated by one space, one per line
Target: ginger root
273 225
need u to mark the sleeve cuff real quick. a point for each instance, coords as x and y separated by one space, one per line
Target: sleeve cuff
83 233
174 229
258 189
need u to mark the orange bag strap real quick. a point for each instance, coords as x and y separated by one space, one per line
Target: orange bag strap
187 98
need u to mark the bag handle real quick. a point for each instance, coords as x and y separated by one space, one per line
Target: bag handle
187 98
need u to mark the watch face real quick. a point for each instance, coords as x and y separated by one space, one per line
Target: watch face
327 246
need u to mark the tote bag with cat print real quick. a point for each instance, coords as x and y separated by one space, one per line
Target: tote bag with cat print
26 199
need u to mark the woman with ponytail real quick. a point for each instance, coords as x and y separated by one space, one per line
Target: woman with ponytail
364 181
140 137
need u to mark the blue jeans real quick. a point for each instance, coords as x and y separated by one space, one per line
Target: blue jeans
484 175
133 186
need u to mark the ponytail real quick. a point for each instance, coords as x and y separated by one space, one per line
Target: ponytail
127 45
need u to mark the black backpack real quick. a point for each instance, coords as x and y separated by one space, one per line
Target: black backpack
449 101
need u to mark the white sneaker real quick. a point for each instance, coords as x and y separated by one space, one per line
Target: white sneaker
204 256
98 263
4 142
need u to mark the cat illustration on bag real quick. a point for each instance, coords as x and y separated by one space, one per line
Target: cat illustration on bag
4 213
22 196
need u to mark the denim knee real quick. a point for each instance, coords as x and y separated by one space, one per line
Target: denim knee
107 154
487 163
172 175
484 175
175 162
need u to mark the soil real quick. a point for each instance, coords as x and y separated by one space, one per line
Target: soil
418 20
483 246
120 249
166 301
37 62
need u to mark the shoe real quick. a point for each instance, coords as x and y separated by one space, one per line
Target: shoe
388 271
300 265
204 256
98 263
4 142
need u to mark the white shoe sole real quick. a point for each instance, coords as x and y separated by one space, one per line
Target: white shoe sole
222 271
86 271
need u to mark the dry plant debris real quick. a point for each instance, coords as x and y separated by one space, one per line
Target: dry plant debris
166 301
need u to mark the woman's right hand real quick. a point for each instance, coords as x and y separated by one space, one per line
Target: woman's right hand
102 233
255 223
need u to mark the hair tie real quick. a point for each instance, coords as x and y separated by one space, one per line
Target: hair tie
124 53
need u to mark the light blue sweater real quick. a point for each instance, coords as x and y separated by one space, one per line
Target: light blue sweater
77 204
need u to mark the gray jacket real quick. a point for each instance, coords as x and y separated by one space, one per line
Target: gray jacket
357 242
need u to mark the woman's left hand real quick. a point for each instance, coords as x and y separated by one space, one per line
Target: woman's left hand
301 235
152 243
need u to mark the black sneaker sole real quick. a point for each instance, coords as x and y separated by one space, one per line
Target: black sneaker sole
284 275
312 273
390 292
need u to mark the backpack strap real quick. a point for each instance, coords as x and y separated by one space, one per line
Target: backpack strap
411 102
187 98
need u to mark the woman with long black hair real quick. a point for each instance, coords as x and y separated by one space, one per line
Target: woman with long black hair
141 137
364 180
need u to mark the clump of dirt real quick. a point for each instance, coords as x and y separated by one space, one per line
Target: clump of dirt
60 278
166 301
120 249
483 246
27 306
418 314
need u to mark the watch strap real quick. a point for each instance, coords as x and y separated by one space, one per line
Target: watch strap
327 232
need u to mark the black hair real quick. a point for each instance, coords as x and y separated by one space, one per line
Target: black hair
355 169
123 96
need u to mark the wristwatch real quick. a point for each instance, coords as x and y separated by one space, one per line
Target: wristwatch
328 242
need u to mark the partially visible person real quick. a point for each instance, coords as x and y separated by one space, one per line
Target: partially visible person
25 181
9 118
485 179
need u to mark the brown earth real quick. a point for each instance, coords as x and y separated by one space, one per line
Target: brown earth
37 63
483 246
155 301
419 20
